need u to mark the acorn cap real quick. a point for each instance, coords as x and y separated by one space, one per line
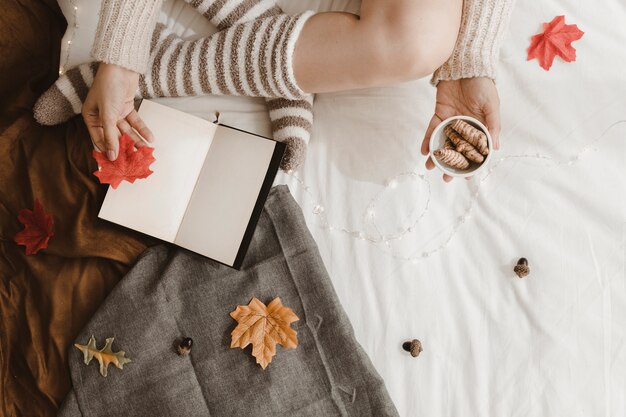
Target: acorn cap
184 347
414 347
522 269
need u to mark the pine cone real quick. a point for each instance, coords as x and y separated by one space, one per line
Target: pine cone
448 144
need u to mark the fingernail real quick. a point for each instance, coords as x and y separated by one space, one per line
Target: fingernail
111 155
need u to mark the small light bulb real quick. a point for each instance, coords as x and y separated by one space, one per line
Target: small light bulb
69 42
75 8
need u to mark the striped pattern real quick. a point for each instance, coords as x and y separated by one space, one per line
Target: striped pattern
291 119
251 58
227 13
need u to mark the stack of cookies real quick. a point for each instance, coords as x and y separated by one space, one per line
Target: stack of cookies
464 144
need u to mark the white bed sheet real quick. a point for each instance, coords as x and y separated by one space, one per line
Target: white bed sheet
552 344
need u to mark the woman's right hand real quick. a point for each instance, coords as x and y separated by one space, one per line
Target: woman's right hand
108 110
476 97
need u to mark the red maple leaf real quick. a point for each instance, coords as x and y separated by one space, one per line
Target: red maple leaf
556 39
37 229
130 164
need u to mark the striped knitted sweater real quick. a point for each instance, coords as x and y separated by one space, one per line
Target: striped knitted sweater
125 26
251 56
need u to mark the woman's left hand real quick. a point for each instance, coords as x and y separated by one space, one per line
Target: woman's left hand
476 97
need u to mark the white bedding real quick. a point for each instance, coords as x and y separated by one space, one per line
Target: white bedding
550 345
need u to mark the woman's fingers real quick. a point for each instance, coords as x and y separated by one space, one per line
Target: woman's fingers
126 128
492 119
429 163
491 110
97 137
135 121
434 121
111 135
92 121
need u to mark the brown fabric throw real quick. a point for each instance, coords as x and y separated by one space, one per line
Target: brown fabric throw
45 299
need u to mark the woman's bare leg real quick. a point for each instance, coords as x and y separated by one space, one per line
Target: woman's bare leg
391 41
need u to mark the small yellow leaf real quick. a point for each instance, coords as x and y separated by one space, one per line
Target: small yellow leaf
105 355
264 327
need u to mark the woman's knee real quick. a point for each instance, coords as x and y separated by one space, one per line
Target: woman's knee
413 45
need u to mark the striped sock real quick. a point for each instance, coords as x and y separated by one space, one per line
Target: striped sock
251 59
291 119
226 13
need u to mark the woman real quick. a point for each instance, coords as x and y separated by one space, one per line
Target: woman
391 41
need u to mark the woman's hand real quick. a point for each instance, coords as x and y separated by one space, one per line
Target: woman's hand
108 110
476 97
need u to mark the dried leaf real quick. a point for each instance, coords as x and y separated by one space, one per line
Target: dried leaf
130 164
105 355
264 327
556 39
37 229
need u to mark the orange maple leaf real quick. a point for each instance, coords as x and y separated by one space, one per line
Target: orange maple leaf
264 327
556 39
130 164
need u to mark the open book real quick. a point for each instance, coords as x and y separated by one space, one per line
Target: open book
208 188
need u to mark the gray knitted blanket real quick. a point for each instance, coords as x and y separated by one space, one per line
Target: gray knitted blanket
172 293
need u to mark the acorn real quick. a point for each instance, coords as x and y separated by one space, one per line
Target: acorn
414 347
184 347
522 269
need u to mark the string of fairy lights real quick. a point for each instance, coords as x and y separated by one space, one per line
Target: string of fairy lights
380 239
384 241
71 34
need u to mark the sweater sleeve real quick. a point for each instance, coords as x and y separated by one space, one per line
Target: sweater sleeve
476 52
124 32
